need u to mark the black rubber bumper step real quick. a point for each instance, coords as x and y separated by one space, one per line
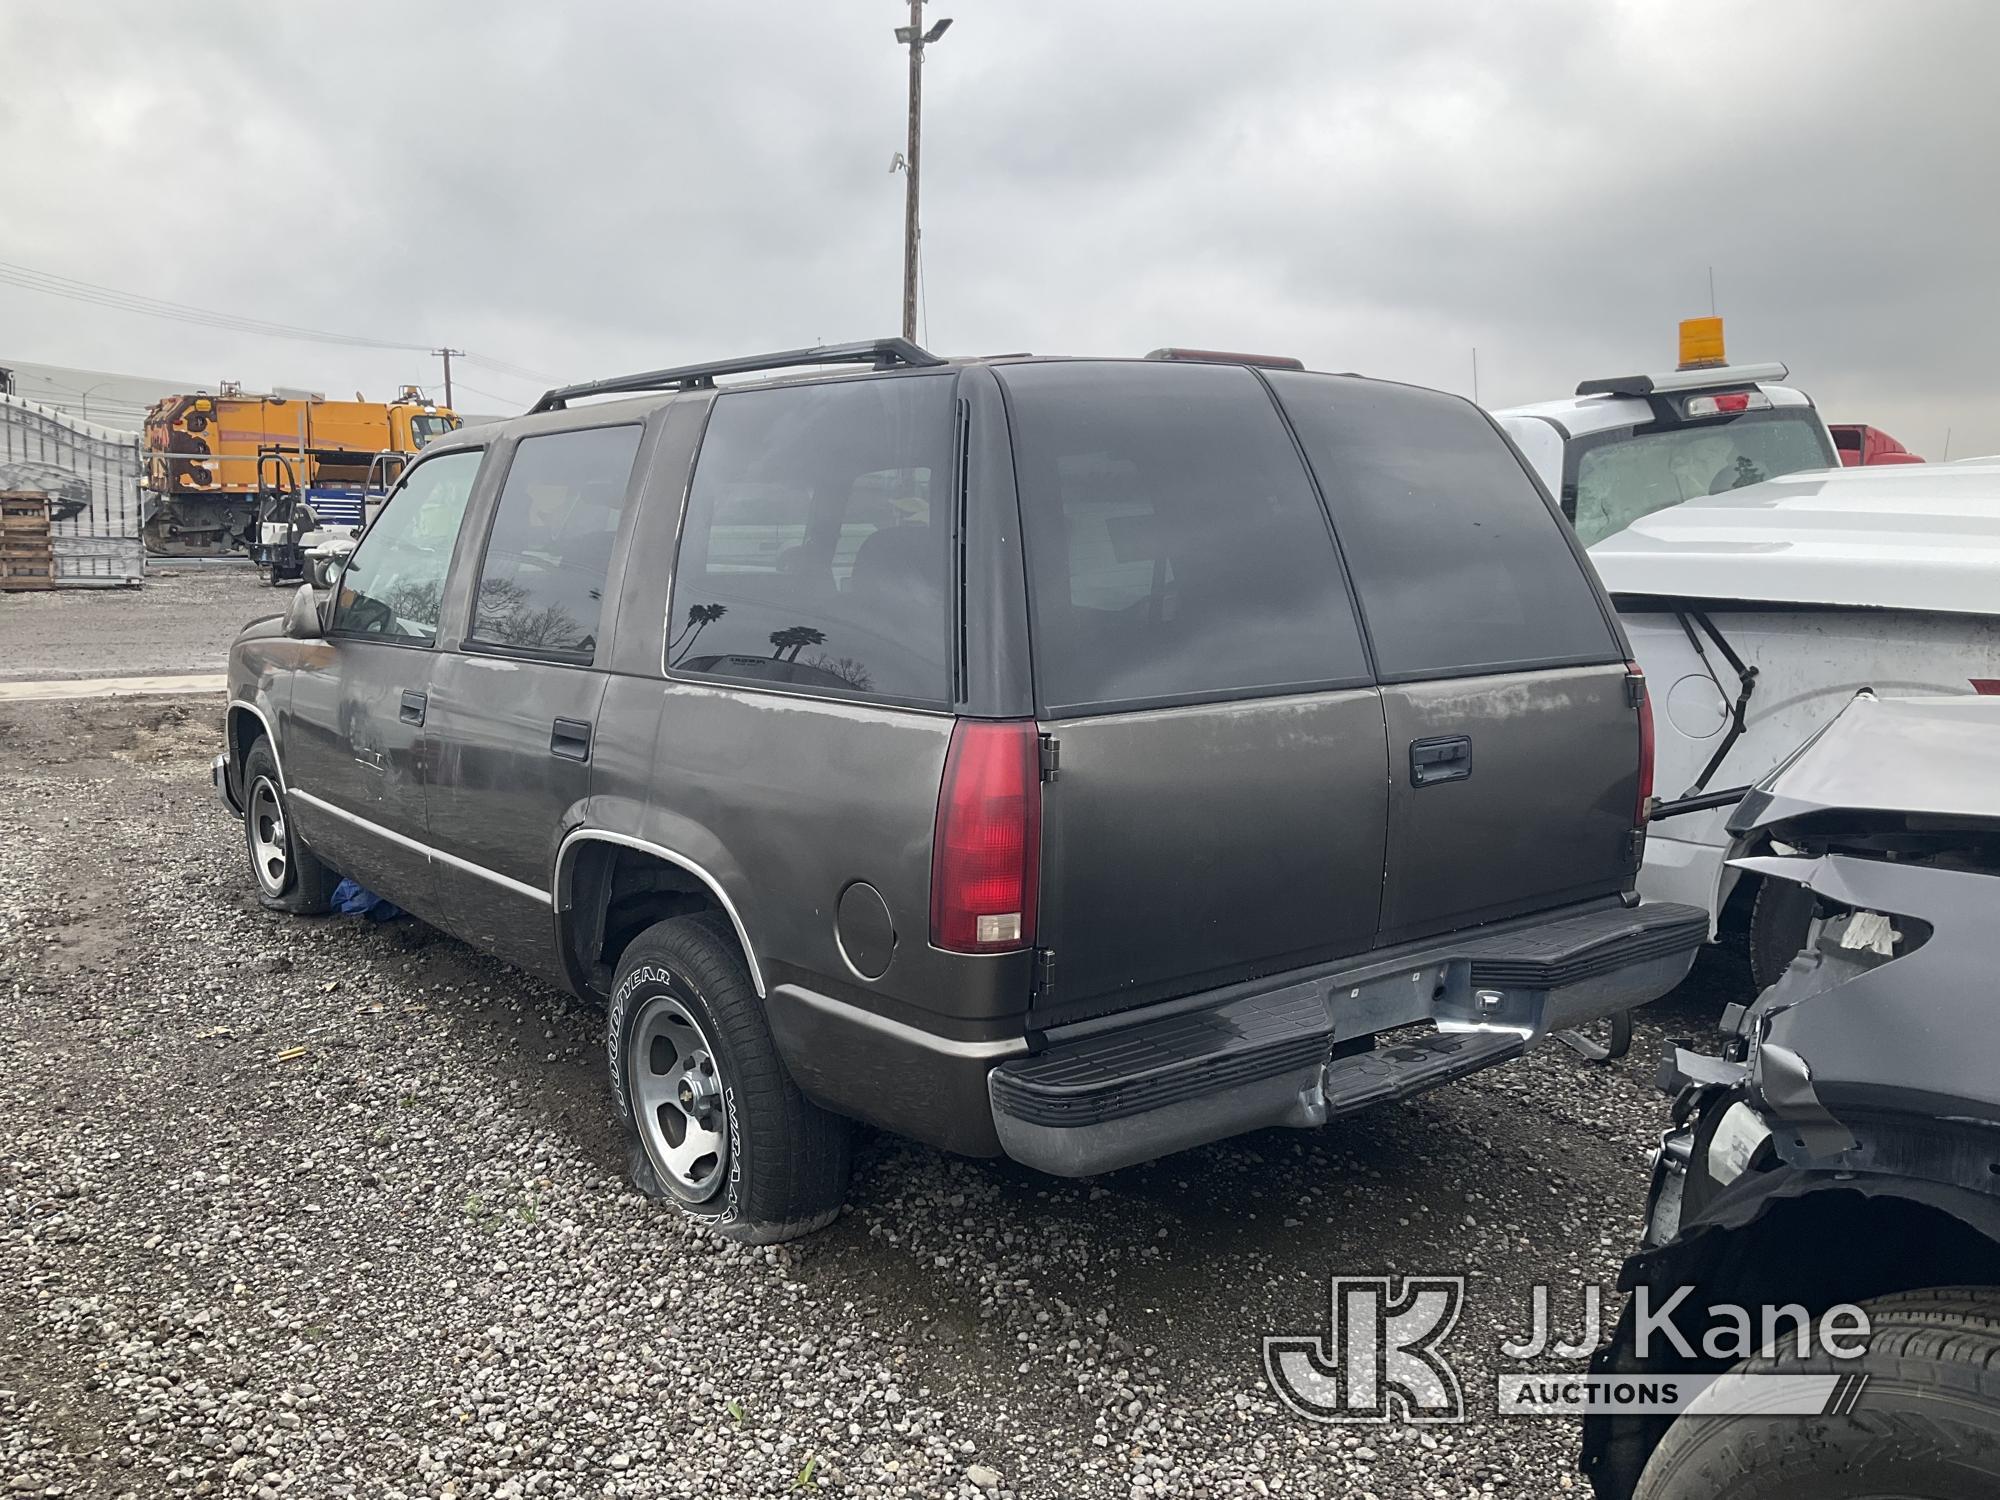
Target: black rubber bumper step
1119 1073
1410 1068
1586 946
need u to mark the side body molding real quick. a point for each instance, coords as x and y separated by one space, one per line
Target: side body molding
565 869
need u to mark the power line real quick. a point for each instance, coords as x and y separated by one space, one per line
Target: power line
491 395
75 290
502 367
103 296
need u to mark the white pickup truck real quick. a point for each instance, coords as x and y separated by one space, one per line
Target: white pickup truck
1762 586
1758 613
1630 445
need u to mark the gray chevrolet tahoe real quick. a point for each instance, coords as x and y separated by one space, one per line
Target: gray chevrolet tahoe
1079 760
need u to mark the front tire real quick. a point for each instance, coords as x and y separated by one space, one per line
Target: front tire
714 1123
287 875
1926 1426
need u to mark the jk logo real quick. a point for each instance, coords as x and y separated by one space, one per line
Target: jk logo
1381 1361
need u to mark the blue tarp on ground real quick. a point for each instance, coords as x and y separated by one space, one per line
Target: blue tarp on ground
353 900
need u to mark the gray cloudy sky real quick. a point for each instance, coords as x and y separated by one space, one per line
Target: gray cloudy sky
584 188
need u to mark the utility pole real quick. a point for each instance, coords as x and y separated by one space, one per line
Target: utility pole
915 38
447 355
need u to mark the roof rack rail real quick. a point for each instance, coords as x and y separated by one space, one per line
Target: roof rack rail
883 354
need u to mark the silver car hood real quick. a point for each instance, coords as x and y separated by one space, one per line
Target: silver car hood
1915 759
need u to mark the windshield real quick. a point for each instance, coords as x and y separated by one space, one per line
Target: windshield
1621 476
424 428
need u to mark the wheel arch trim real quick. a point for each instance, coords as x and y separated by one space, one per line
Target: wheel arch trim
270 734
565 869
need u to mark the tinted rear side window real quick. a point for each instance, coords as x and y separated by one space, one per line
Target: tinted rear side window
541 583
815 547
1176 550
1459 564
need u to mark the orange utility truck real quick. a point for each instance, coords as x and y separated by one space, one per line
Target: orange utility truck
212 461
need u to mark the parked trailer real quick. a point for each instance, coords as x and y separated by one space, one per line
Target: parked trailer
1758 615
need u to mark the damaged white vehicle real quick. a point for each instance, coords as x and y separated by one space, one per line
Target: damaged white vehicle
1757 615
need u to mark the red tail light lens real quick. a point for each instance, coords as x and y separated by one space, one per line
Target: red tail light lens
1635 681
986 853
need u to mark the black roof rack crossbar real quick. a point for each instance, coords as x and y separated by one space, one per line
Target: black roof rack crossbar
883 354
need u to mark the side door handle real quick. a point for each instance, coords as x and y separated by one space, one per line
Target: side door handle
1445 758
412 711
570 739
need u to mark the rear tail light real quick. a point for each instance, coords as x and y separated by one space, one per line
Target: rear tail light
1635 690
986 853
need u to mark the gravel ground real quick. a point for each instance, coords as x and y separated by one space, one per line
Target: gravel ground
316 1207
179 620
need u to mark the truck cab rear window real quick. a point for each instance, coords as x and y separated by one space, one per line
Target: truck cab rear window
1176 551
813 555
1620 476
1459 563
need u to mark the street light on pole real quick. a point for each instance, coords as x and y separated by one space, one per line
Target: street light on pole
916 39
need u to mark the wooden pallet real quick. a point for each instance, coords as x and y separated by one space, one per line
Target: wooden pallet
27 558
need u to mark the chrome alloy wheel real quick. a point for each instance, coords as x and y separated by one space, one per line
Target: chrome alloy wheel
675 1084
265 818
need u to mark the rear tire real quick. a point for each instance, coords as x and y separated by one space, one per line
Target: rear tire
1926 1426
1780 924
287 875
714 1123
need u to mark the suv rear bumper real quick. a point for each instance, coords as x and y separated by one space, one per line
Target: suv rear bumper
1297 1049
1284 1050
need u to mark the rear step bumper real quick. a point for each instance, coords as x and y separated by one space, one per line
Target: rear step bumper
1112 1092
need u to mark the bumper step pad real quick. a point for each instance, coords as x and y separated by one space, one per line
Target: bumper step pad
1409 1068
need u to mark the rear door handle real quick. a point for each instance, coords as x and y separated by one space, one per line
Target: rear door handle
413 708
570 739
1446 758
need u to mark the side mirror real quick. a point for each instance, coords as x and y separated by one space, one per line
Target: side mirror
302 619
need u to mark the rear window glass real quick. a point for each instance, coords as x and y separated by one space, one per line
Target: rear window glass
541 583
814 552
1622 476
1459 563
1176 550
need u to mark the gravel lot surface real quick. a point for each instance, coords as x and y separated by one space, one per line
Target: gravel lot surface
178 621
317 1207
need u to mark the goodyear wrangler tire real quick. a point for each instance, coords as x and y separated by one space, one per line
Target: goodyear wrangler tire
287 874
713 1122
1925 1426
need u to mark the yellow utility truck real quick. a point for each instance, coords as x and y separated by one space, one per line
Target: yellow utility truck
215 464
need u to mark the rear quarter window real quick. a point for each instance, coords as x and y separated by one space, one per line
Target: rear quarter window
1176 551
814 554
1459 564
